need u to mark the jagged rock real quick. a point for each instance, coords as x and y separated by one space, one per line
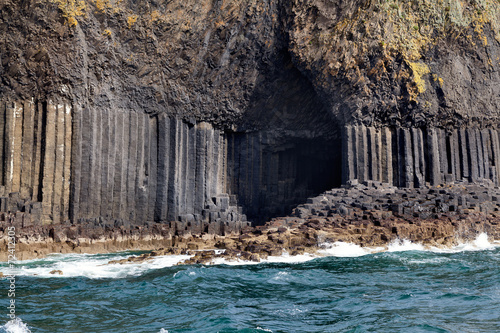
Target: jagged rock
196 113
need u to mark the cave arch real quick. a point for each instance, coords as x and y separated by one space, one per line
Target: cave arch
287 147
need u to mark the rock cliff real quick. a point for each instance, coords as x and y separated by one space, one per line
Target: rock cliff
201 114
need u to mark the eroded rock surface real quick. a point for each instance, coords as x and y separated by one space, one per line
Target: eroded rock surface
369 215
190 116
410 62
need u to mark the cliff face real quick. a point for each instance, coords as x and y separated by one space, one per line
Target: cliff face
212 61
399 63
403 63
196 113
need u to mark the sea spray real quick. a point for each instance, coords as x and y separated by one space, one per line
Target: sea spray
480 243
400 245
92 266
341 249
15 326
399 291
97 267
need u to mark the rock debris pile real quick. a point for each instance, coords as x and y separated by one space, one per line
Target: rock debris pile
371 214
377 200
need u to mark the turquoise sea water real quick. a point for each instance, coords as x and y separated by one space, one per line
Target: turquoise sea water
406 289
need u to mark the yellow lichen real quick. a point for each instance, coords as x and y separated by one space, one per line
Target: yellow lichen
101 4
419 70
405 27
71 9
155 15
105 6
72 21
438 79
106 32
392 29
131 20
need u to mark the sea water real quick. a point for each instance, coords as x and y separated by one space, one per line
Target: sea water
403 288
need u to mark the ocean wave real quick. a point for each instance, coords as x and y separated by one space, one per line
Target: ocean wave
481 243
15 326
403 245
350 250
429 261
89 265
284 258
96 266
341 249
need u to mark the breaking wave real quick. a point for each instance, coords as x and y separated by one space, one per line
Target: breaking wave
95 266
15 326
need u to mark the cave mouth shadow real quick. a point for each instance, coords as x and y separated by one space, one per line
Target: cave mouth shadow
287 145
270 179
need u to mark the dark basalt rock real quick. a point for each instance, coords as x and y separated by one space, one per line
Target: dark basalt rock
280 65
177 118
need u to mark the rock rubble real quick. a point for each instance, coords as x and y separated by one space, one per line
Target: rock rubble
370 215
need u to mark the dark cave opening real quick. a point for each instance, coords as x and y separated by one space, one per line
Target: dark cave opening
286 147
270 179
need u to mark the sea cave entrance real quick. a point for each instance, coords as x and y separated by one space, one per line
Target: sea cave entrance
272 177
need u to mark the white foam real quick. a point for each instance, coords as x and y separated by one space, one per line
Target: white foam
90 266
15 326
96 266
427 261
264 329
287 258
163 331
284 258
341 249
232 262
402 245
281 276
481 243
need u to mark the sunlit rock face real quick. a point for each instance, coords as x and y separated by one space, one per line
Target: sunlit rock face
203 115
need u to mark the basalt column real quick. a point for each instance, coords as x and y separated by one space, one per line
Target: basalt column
85 164
132 168
413 157
35 160
61 162
270 176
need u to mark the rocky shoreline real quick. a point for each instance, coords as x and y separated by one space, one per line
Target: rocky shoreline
201 115
278 238
370 215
